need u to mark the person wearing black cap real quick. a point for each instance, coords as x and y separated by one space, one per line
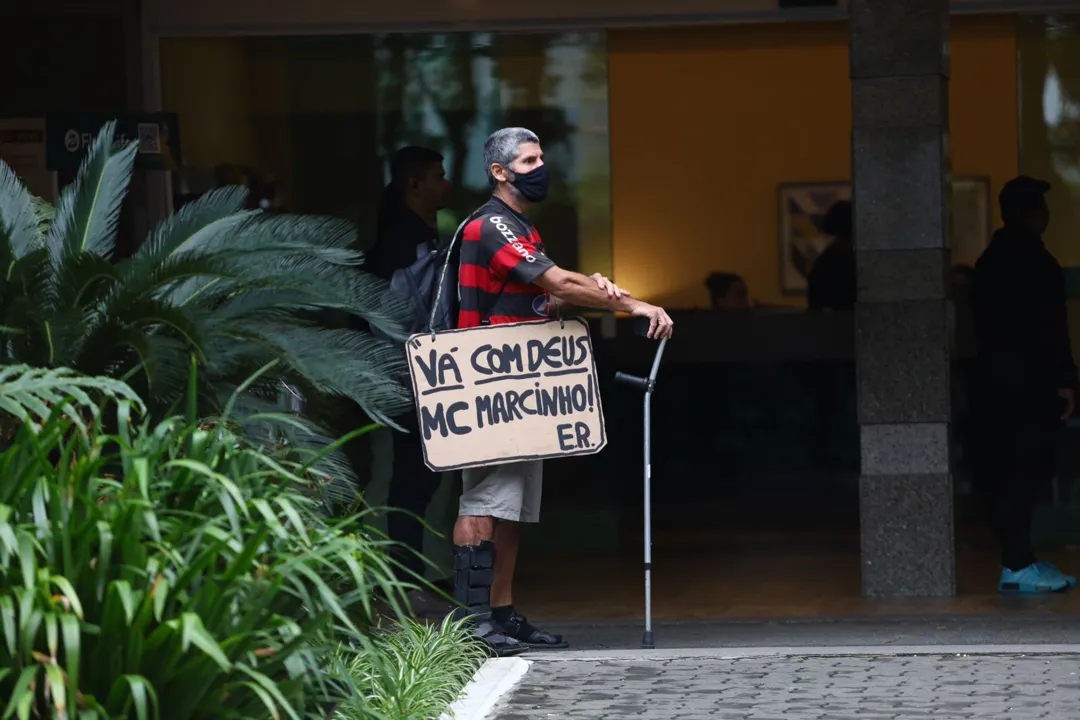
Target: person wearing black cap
418 189
1026 377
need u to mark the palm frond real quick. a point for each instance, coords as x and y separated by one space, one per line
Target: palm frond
139 324
18 222
342 363
157 367
165 280
45 213
306 233
304 256
89 210
349 290
235 289
33 394
263 417
82 280
265 303
209 220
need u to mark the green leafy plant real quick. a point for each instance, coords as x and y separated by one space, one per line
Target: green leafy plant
170 569
234 288
29 395
413 673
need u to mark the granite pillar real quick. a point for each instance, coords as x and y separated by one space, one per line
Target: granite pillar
900 178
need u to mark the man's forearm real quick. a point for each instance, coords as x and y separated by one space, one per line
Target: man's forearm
561 306
579 291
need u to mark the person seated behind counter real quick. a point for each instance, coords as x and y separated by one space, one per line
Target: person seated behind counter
728 291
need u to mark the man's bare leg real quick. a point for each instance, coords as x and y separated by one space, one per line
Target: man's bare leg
507 539
473 530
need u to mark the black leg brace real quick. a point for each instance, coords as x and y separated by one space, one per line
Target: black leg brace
474 571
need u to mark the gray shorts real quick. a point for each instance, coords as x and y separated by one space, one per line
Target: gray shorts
507 492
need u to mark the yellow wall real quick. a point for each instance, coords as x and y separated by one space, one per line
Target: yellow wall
209 79
706 122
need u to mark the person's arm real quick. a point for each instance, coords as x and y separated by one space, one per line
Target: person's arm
516 258
586 292
572 289
613 291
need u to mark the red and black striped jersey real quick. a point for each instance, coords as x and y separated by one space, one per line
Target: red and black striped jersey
501 257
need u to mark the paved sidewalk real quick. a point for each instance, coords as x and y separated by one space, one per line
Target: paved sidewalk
799 687
1014 628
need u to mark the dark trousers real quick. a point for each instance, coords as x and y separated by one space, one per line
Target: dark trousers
1019 460
411 488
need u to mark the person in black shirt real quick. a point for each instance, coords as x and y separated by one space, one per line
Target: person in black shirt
1026 377
418 189
831 283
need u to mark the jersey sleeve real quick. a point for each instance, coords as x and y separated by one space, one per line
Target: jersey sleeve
514 254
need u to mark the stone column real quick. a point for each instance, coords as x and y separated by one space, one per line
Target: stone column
900 177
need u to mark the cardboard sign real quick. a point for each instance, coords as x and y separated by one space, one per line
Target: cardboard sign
503 393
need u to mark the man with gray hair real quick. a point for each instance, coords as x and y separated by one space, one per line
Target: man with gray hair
506 277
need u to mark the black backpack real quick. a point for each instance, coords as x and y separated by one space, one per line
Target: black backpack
429 287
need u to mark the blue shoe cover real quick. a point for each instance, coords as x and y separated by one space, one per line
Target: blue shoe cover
1050 568
1032 579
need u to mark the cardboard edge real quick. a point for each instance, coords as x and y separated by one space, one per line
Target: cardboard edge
495 679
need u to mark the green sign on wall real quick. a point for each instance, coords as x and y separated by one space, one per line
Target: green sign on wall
68 137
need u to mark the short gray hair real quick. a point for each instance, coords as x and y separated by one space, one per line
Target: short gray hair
503 147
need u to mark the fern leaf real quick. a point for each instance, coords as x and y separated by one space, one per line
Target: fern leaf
89 210
31 394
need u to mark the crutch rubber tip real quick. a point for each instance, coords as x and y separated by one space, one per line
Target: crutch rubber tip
647 641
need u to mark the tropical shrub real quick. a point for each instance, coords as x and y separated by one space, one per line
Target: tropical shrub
233 288
167 569
415 671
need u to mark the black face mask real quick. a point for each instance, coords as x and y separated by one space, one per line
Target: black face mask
533 185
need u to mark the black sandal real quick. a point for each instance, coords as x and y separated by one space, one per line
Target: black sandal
520 629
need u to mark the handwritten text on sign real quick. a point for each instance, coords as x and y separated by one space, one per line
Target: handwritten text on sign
501 393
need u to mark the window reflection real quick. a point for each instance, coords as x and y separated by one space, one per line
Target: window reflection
310 123
1049 53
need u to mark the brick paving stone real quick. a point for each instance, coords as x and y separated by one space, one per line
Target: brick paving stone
878 687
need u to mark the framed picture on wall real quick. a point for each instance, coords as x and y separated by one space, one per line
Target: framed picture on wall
971 219
803 206
802 209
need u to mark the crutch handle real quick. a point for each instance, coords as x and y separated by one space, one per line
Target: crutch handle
633 380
